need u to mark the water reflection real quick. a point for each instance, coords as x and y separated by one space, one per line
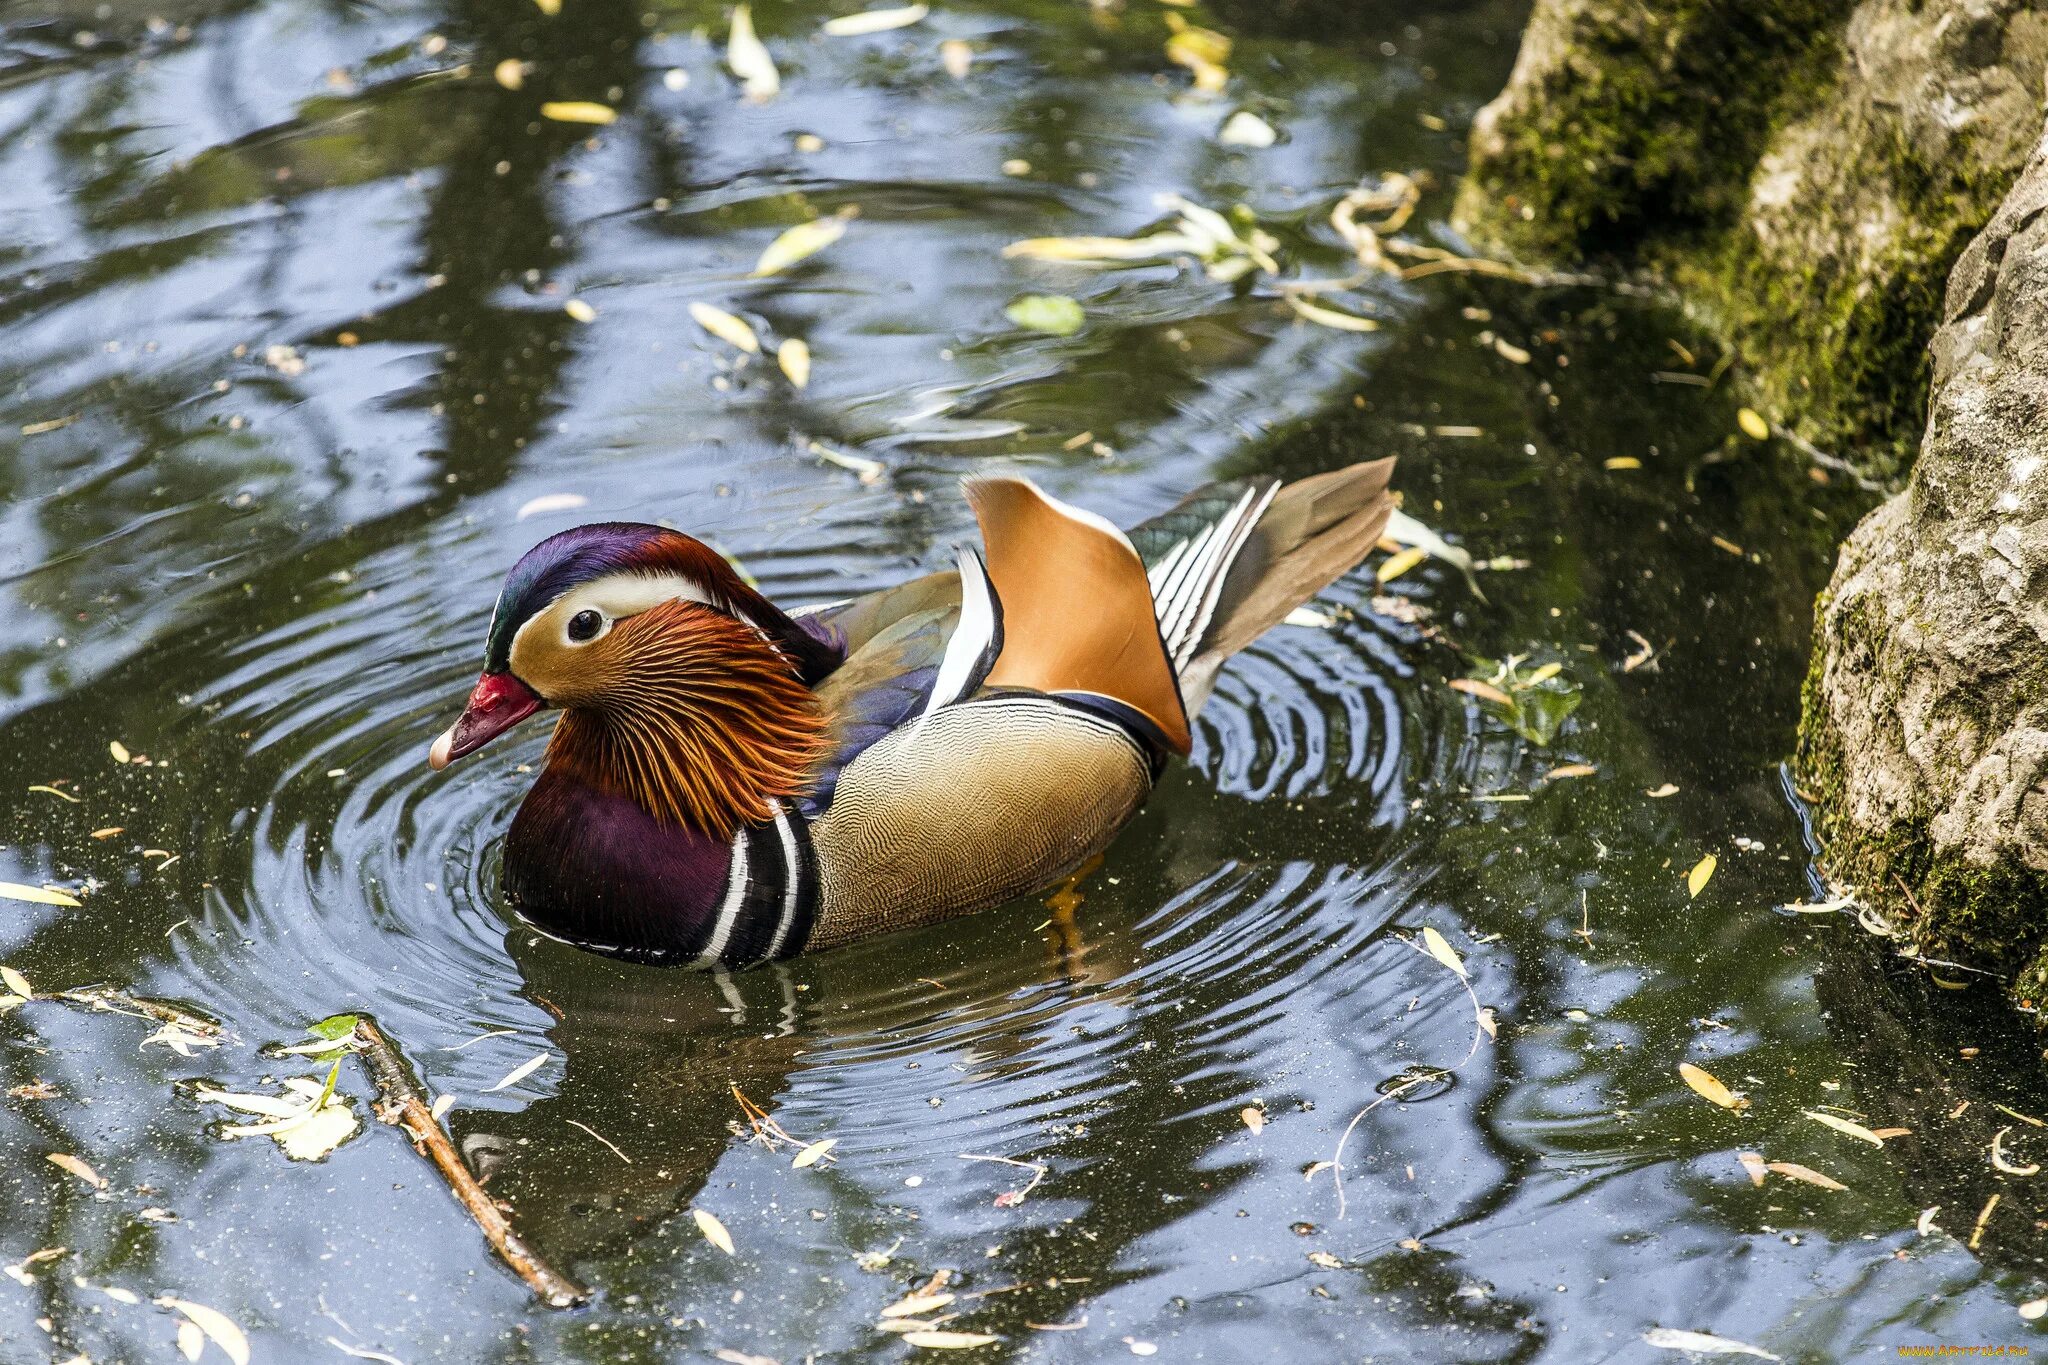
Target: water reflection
284 284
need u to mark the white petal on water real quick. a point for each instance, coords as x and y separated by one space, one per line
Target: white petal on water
875 21
520 1072
1671 1339
550 502
748 58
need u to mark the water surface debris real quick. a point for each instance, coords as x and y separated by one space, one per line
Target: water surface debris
733 331
713 1230
1703 1343
747 58
212 1324
1702 873
874 21
1709 1087
579 111
794 357
401 1103
805 239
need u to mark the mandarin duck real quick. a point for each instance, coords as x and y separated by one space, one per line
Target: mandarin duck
730 782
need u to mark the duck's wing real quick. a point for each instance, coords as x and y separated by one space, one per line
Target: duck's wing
909 650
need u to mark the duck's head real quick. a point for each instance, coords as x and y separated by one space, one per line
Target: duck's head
642 632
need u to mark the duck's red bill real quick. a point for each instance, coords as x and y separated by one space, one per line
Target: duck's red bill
499 702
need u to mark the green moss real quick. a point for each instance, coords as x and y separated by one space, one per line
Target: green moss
1642 147
1654 125
1985 916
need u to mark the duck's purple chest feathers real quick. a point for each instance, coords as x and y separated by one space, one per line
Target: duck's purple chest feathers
596 869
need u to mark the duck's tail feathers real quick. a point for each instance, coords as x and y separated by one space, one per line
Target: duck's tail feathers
1232 560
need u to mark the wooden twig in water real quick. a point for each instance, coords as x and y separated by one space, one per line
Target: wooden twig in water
141 1007
401 1102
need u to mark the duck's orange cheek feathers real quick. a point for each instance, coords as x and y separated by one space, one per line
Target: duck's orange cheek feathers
499 702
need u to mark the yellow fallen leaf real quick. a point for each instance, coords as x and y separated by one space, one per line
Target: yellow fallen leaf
64 1161
1753 424
1806 1174
1254 1118
1564 770
548 7
1708 1087
1202 51
510 73
1096 249
1659 793
1702 872
1841 1125
578 111
805 239
731 330
1540 675
916 1305
43 787
220 1329
1622 462
957 57
811 1155
1397 564
118 750
16 982
949 1341
874 21
1754 1165
191 1341
794 356
1483 691
35 895
713 1230
579 310
748 58
1442 951
1510 352
109 832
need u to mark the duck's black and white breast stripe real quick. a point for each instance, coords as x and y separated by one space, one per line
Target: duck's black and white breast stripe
771 896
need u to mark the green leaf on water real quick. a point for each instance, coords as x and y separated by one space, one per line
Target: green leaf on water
1054 314
1537 701
334 1027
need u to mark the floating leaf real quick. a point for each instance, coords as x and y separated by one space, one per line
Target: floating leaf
916 1305
1622 462
1702 872
1254 1118
2033 1309
1246 129
811 1155
1330 317
869 471
949 1341
957 57
1403 529
1999 1161
794 356
580 311
1442 951
510 73
1708 1087
1841 1125
713 1230
118 750
519 1073
1309 617
1397 564
320 1132
748 59
549 502
66 1162
1483 691
1510 352
52 791
1054 314
1753 424
1325 1260
220 1329
1659 793
191 1341
1807 1174
1564 770
180 1039
16 982
579 111
727 328
1671 1339
1754 1165
874 21
1095 250
1202 51
794 244
35 895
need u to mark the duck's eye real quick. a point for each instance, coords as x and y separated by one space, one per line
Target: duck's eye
585 625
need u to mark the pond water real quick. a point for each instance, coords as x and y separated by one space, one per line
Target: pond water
287 356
